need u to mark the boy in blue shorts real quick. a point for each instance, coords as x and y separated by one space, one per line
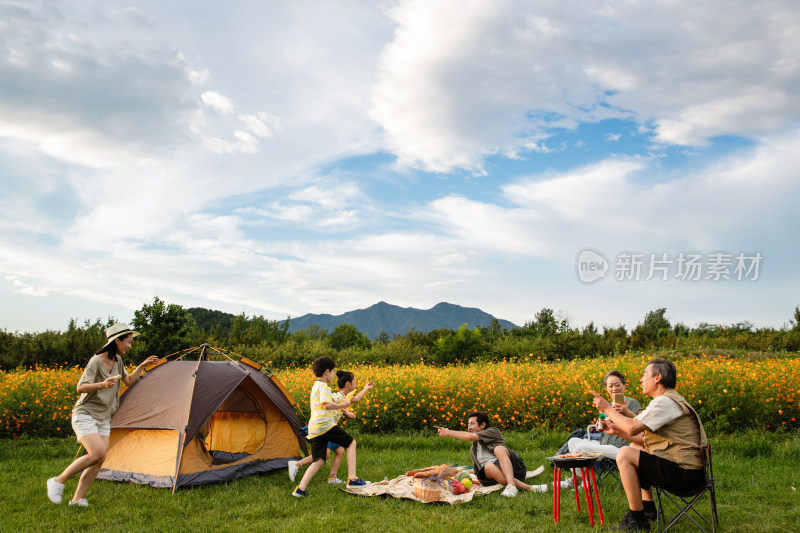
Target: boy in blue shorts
322 428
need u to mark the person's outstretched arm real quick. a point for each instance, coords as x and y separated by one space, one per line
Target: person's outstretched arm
460 435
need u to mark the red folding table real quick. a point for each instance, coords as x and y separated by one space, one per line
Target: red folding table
586 465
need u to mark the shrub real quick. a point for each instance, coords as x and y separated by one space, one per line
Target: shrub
729 393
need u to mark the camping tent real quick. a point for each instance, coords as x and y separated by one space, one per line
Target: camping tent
188 423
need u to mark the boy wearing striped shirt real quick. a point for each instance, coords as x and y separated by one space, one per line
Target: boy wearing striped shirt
322 428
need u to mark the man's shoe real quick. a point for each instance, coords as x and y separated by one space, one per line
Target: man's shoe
299 493
357 483
55 490
333 480
293 467
80 503
629 523
651 516
510 491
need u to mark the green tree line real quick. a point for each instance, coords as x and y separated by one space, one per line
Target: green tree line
169 328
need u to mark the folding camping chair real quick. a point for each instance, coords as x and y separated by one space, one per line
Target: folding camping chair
606 467
685 502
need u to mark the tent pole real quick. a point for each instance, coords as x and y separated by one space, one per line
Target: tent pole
183 433
178 464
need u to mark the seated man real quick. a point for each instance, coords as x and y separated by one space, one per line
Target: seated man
609 445
668 436
492 461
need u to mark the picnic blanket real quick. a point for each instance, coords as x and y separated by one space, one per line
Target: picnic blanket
403 487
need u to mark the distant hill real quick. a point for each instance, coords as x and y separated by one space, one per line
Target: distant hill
399 320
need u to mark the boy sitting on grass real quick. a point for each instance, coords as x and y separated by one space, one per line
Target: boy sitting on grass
492 461
322 428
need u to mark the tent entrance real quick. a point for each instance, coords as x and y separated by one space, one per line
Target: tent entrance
236 430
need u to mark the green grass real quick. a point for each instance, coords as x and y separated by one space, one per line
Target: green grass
757 476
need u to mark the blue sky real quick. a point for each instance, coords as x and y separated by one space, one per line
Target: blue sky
283 158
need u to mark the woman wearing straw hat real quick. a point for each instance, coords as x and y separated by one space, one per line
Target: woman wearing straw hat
91 416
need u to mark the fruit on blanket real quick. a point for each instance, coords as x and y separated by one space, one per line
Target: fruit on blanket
456 487
467 482
462 476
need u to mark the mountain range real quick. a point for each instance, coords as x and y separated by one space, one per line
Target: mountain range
398 320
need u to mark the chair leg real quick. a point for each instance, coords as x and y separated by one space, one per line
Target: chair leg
715 520
659 509
684 508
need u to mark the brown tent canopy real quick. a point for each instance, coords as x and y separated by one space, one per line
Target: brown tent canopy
188 423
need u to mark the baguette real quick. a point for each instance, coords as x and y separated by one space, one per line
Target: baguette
428 471
420 470
439 469
412 472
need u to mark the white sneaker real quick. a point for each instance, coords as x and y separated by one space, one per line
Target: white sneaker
55 490
539 488
293 467
334 481
510 491
80 503
567 483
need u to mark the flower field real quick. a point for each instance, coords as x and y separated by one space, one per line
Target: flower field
729 393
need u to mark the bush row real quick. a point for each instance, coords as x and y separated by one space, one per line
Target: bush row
729 393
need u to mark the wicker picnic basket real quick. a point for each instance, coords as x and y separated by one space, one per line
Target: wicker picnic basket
427 491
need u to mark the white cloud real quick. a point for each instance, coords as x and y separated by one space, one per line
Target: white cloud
581 194
627 204
261 124
218 102
760 109
323 207
486 228
334 196
197 77
463 81
87 97
63 139
24 288
145 160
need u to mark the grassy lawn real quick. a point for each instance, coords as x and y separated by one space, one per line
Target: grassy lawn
757 480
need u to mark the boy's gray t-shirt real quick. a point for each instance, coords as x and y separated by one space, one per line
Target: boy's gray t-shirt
482 451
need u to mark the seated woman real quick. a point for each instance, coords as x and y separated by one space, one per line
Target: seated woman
609 445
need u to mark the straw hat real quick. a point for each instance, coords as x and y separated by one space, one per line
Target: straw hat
114 332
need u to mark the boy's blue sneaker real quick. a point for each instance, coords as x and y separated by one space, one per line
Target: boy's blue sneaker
299 493
357 483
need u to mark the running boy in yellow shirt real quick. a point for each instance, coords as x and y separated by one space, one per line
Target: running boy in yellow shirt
322 428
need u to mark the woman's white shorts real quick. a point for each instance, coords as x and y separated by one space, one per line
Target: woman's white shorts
84 424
